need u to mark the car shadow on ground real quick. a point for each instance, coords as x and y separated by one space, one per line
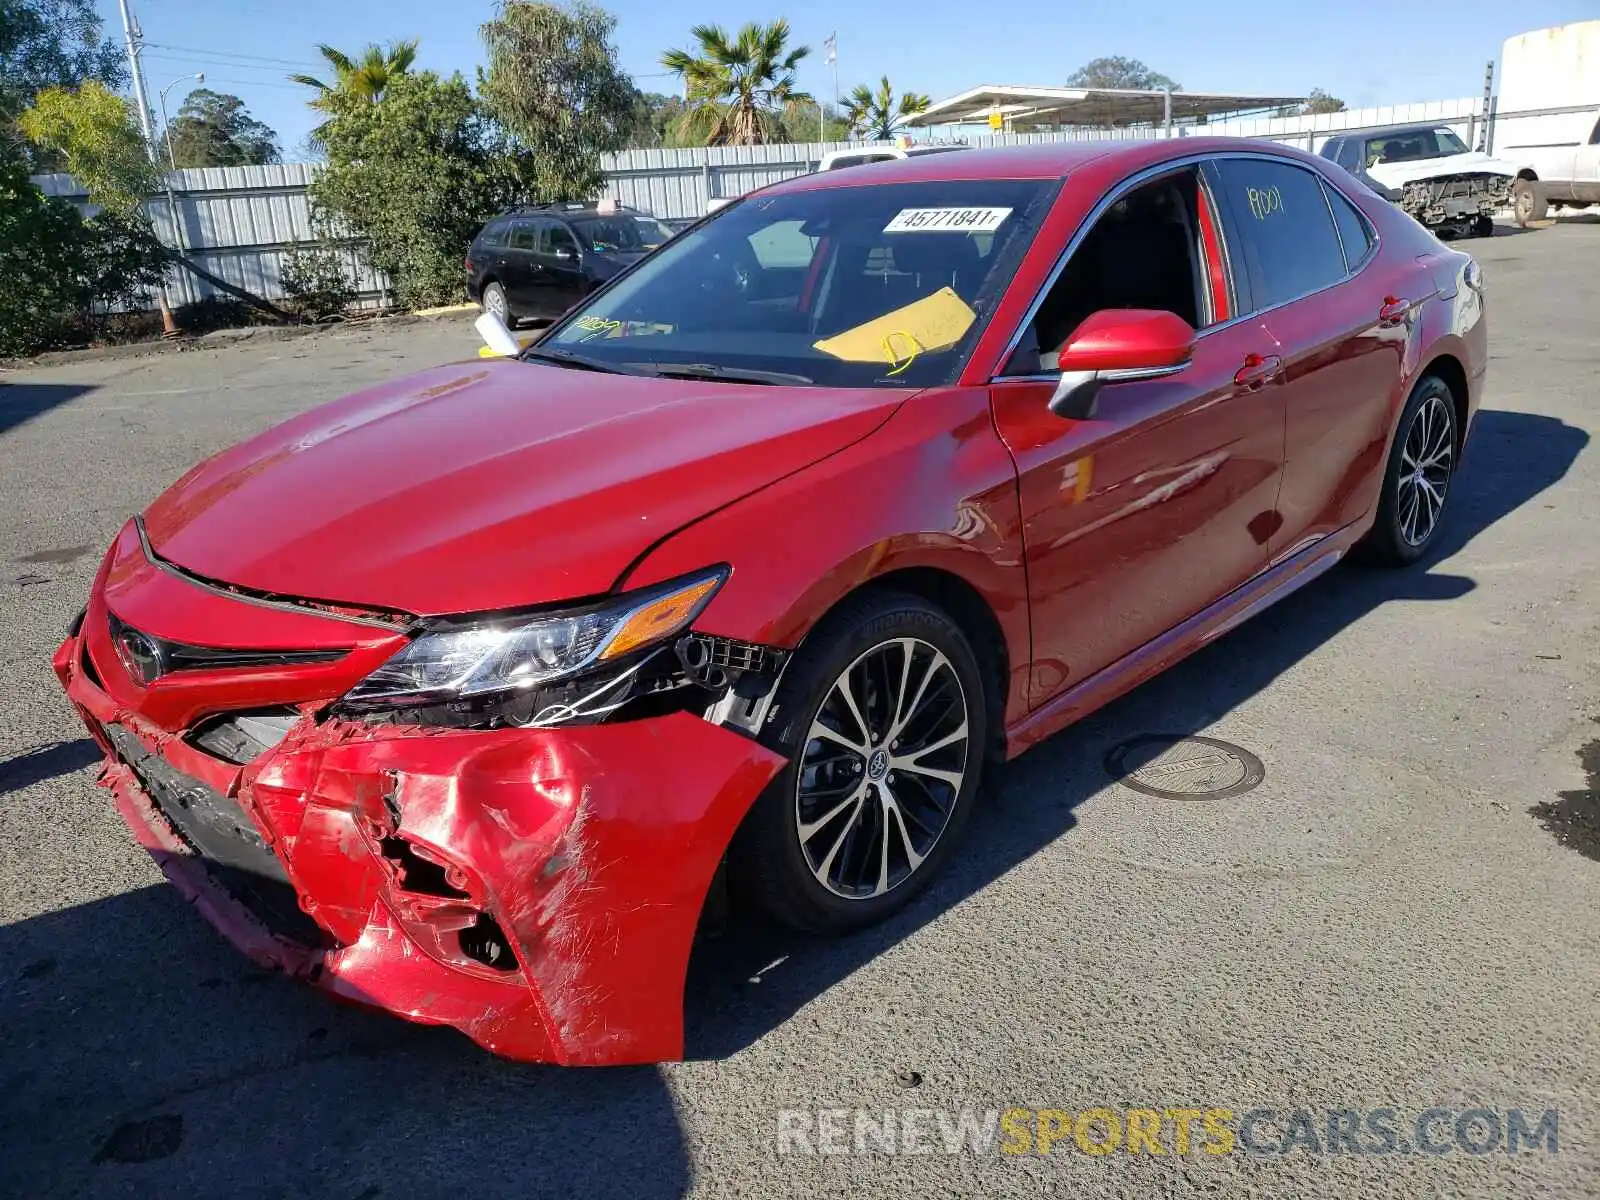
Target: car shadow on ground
736 993
46 762
140 1055
22 402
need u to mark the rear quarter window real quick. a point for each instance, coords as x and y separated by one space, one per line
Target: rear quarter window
1355 235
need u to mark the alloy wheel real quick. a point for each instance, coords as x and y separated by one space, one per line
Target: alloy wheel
882 768
1425 468
494 299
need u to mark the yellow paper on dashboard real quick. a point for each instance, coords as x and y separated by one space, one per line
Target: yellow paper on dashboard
935 322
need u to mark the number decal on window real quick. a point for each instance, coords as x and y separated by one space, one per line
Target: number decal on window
1264 201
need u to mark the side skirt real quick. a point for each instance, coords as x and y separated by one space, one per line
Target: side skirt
1182 640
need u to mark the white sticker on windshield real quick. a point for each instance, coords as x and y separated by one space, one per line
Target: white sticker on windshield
947 220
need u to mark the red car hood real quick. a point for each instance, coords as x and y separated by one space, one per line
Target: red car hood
491 484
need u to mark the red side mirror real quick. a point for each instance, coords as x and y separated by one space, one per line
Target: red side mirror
1128 339
1118 344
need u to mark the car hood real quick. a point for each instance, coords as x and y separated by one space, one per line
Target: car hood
491 485
1474 162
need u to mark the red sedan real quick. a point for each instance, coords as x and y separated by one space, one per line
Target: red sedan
458 696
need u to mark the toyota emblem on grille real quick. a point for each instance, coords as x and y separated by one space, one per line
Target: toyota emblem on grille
140 654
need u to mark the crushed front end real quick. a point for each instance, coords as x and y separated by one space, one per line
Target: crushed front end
1455 202
530 872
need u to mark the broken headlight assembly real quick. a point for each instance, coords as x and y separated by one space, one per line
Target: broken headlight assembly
547 668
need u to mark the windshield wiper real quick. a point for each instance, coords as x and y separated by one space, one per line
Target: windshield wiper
721 374
578 362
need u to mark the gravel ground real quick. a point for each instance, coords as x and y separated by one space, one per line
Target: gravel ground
1400 916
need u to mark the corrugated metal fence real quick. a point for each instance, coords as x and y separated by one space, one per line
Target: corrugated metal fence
237 222
680 183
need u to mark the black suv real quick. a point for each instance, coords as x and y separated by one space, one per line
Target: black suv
538 260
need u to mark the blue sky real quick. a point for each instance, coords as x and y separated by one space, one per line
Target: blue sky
1409 52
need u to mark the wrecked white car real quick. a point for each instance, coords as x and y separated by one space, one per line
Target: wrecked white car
1429 172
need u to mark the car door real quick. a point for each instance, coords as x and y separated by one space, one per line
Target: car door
560 277
1341 329
1161 501
521 263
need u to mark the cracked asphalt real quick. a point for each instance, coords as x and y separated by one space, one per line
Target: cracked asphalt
1400 916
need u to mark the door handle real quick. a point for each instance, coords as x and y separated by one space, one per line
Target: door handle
1393 311
1257 370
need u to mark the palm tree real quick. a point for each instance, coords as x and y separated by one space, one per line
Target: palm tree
737 90
876 115
368 77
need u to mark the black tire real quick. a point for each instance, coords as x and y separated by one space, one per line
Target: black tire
495 301
770 865
1398 537
1483 227
1528 204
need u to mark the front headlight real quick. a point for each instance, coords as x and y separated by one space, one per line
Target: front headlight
459 660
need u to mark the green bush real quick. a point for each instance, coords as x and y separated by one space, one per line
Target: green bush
414 175
62 274
316 276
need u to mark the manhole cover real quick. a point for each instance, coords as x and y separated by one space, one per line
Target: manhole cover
1175 767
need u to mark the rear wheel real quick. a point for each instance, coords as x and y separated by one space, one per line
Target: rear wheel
1527 202
1483 226
883 715
1422 464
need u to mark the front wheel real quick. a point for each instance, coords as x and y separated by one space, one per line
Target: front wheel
1483 226
1422 465
884 717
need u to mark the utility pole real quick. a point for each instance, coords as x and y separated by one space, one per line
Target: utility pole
134 37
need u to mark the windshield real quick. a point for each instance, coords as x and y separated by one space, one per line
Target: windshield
625 233
1416 144
854 286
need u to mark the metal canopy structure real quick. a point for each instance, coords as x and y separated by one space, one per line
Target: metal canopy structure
1088 106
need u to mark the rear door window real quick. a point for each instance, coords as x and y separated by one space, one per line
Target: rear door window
523 235
1354 234
1291 245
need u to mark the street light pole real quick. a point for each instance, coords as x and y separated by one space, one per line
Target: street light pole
166 125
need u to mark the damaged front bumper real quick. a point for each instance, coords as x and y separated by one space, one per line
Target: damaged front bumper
537 889
1450 200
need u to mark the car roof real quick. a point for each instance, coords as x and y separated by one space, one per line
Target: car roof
1042 160
1389 130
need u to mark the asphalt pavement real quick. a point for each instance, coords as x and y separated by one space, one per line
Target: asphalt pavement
1401 915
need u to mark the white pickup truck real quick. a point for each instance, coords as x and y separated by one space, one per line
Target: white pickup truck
1556 174
1554 73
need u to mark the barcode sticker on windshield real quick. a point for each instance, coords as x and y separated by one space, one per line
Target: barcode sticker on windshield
947 220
